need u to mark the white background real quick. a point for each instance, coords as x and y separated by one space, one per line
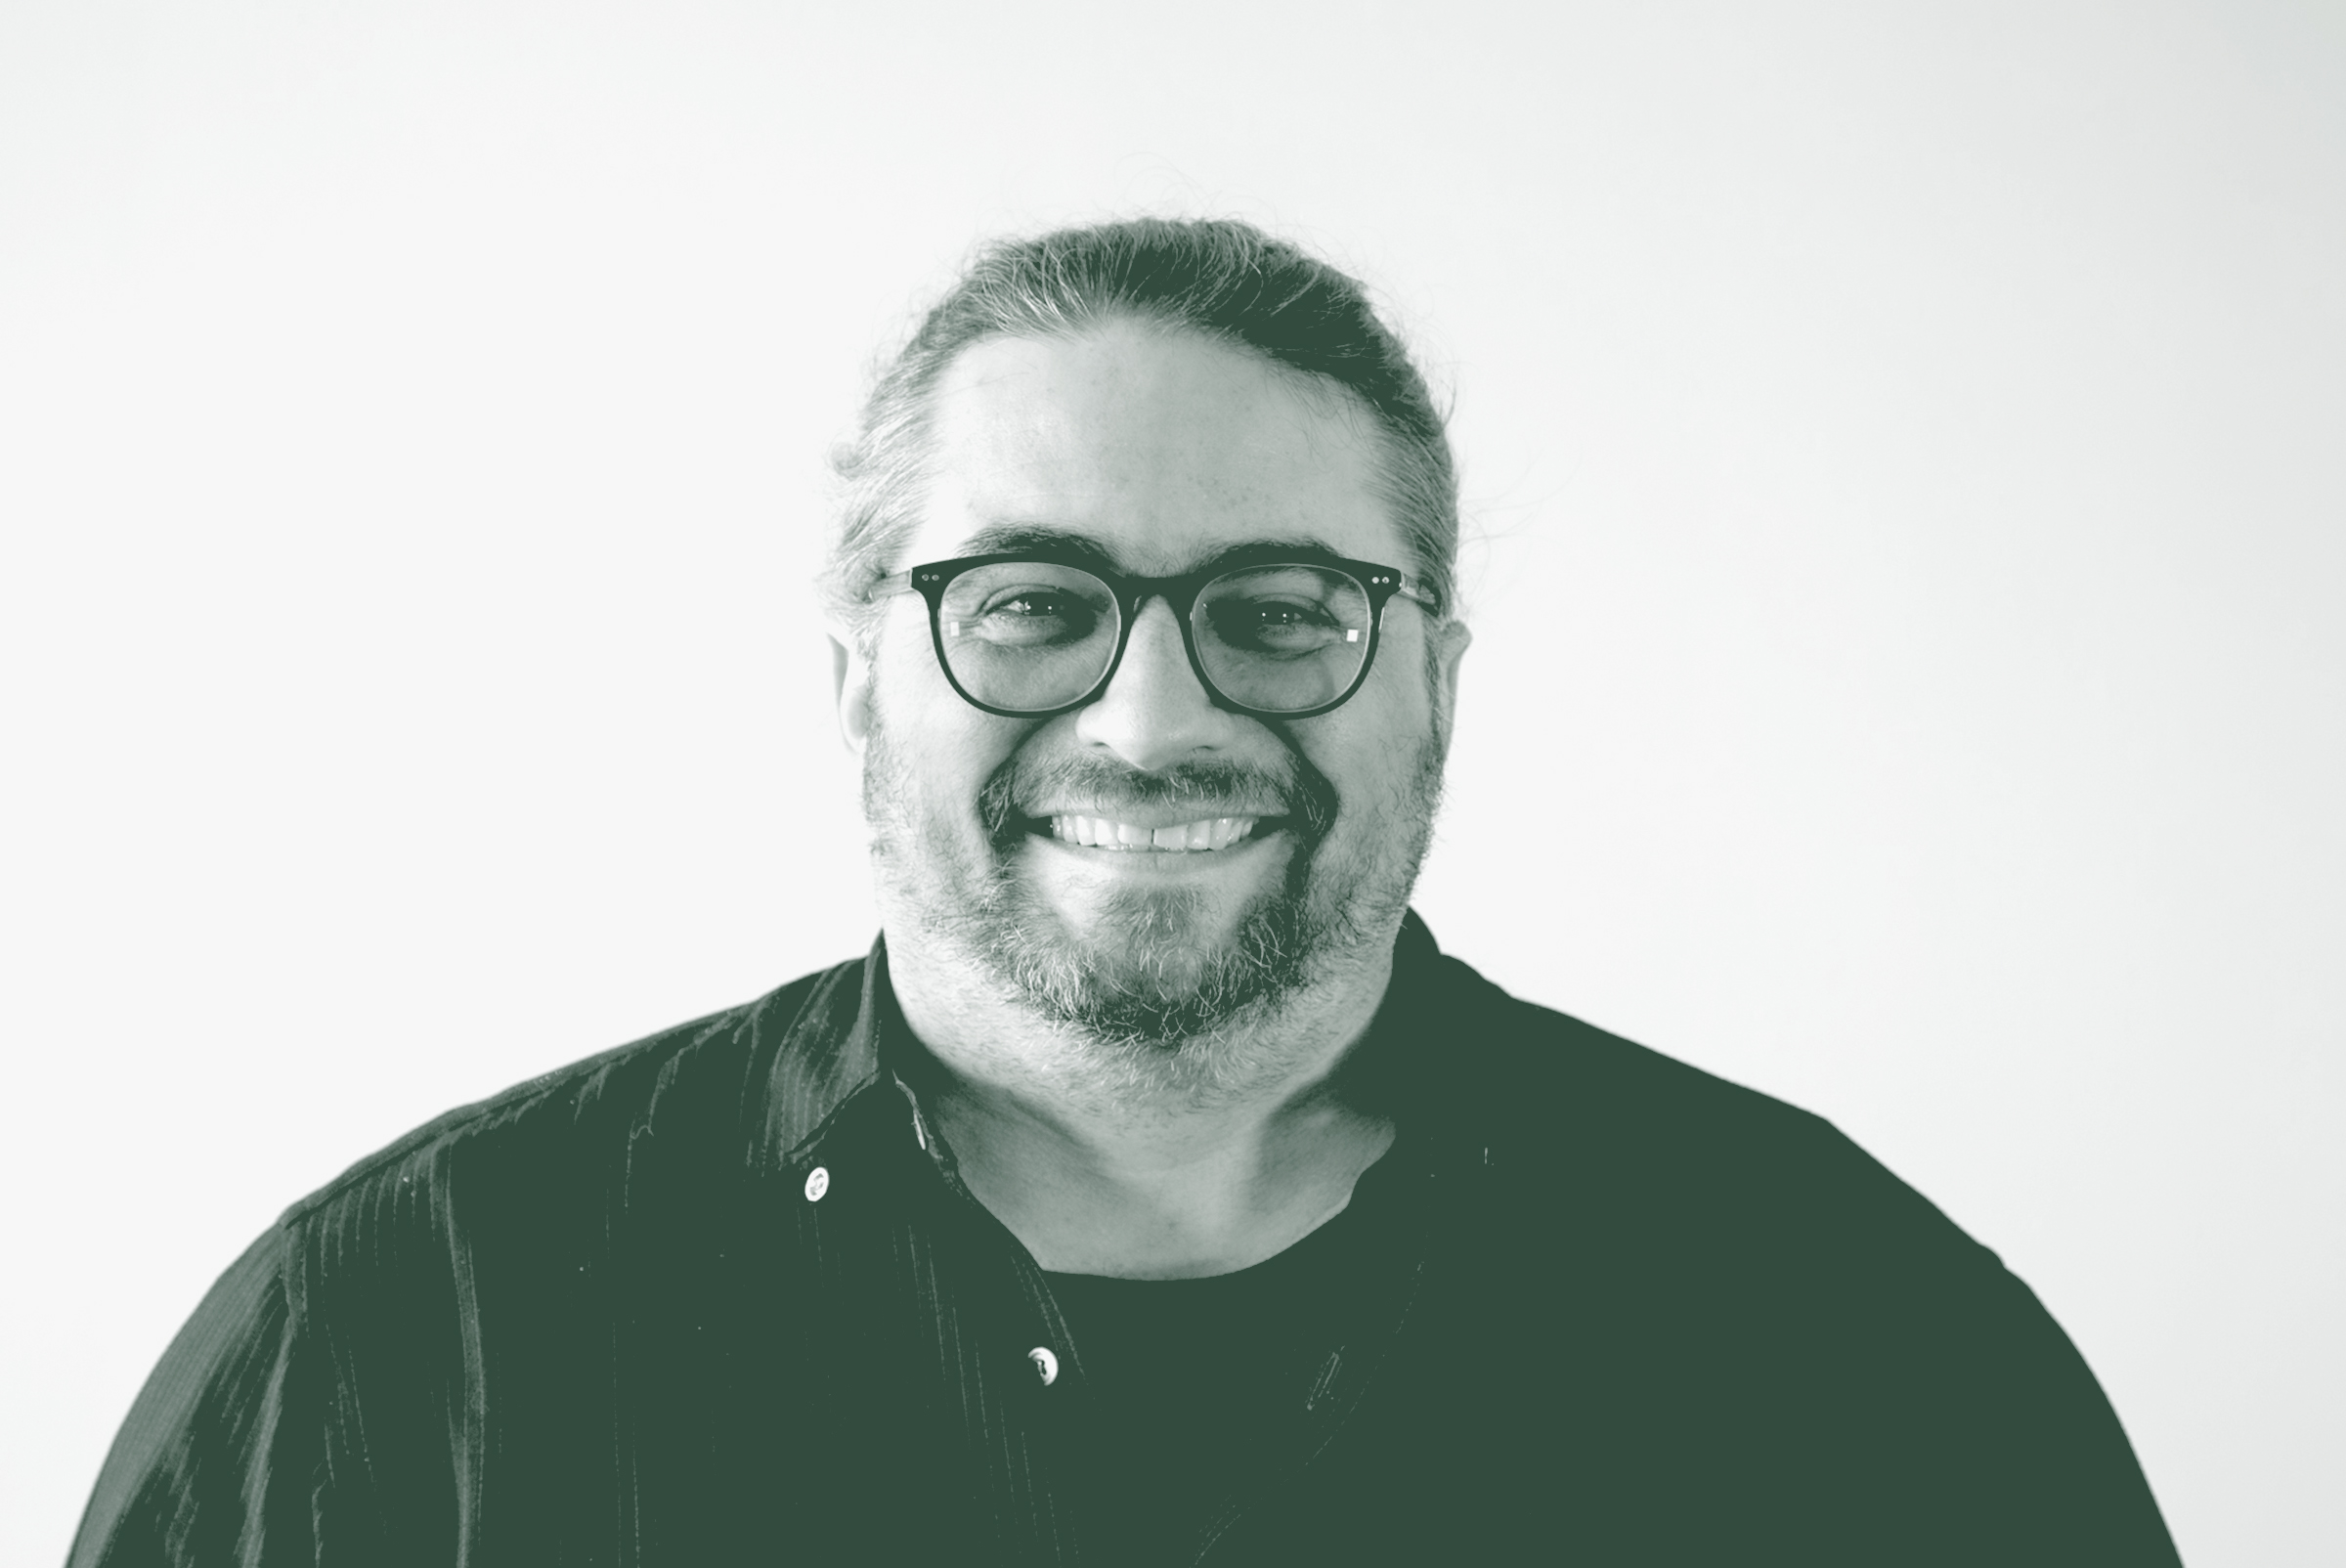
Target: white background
1905 449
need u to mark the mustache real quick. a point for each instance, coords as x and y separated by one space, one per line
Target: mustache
1307 799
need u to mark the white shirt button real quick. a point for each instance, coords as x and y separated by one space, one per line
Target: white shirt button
1045 1364
818 1182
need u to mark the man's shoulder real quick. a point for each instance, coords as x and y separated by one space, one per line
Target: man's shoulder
707 1066
1603 1113
1552 1064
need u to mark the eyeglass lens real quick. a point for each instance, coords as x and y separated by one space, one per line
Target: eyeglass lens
1032 636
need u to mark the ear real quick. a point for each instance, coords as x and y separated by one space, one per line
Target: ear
1449 646
851 689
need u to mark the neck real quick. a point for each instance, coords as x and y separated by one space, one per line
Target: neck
1118 1160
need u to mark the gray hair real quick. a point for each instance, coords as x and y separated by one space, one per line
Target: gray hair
1222 278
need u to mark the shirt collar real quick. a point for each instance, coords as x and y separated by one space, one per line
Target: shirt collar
847 1036
825 1055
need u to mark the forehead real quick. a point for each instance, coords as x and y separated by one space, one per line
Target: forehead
1161 447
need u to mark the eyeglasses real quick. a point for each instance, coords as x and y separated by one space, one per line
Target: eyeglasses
1268 635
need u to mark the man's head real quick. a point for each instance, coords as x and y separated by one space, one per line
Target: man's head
1153 395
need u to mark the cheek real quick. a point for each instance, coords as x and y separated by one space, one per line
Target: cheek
951 756
941 750
915 702
1373 759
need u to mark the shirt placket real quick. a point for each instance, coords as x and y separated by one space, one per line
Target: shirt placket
902 1241
1012 1371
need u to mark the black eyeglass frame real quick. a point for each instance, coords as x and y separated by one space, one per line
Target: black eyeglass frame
1381 583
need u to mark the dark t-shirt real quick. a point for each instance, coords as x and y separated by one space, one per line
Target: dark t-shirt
1184 1371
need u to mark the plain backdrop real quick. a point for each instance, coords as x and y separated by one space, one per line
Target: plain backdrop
1905 466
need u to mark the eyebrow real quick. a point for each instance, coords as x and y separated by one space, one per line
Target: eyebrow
1012 538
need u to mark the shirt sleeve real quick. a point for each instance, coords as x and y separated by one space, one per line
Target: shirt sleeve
1973 1429
206 1469
2037 1463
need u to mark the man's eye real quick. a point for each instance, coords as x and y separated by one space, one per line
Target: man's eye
1026 605
1031 617
1275 624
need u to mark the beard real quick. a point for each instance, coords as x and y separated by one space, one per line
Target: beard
1162 984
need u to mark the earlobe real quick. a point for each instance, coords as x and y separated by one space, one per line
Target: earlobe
851 689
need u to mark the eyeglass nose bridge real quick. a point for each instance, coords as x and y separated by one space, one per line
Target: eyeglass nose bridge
1180 598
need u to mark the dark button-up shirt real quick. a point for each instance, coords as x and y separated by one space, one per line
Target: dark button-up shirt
719 1297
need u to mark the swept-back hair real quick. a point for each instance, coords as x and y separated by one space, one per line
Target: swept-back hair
1219 277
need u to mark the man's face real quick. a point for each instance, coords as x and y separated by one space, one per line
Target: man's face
1161 449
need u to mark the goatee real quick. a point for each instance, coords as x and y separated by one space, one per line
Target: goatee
1160 989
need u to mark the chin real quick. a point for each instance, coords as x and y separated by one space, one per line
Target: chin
1167 929
1152 967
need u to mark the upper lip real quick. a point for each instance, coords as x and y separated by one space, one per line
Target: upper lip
1154 817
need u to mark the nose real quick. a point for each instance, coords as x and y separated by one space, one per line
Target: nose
1154 713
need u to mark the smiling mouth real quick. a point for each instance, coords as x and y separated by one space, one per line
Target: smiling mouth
1205 834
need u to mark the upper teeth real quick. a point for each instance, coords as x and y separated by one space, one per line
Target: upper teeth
1209 833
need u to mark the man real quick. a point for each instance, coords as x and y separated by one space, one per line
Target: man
1154 1191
